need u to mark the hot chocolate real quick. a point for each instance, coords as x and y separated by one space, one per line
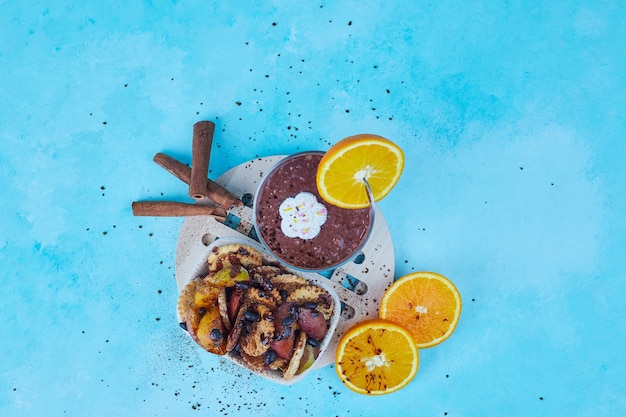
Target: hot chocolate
298 226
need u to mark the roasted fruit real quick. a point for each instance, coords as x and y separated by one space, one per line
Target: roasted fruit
259 313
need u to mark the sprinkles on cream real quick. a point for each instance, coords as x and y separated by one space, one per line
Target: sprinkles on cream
302 216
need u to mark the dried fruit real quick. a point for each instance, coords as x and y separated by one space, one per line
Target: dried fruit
271 319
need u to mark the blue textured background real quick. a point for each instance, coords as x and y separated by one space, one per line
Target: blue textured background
512 117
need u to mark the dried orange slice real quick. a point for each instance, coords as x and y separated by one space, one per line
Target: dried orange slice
427 304
343 167
376 357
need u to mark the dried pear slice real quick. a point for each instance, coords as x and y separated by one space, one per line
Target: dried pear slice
227 277
208 330
294 362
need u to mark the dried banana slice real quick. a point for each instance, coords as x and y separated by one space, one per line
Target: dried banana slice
256 363
185 300
278 364
265 271
268 298
288 280
294 363
222 303
313 294
257 341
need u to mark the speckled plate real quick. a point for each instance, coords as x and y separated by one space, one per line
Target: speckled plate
359 284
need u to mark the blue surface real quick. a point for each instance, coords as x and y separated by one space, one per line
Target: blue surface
512 117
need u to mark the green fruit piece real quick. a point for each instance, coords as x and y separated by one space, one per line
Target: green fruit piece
308 358
227 277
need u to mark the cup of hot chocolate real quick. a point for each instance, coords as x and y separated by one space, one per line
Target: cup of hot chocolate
297 226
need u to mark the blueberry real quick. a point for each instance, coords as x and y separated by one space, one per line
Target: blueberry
313 341
216 335
270 357
252 316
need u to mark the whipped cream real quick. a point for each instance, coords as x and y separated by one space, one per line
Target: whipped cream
302 216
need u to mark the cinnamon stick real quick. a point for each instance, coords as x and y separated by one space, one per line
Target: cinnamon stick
200 154
174 209
214 191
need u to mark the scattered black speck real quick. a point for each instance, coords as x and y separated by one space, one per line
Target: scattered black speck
238 103
540 398
473 299
125 85
157 318
159 291
521 168
350 23
274 24
247 199
104 233
388 92
150 234
104 123
347 111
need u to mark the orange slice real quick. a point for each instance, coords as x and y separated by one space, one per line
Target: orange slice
427 304
343 167
376 357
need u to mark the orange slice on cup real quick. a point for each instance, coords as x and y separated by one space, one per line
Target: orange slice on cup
345 166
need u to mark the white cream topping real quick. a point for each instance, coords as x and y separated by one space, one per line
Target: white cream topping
302 216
